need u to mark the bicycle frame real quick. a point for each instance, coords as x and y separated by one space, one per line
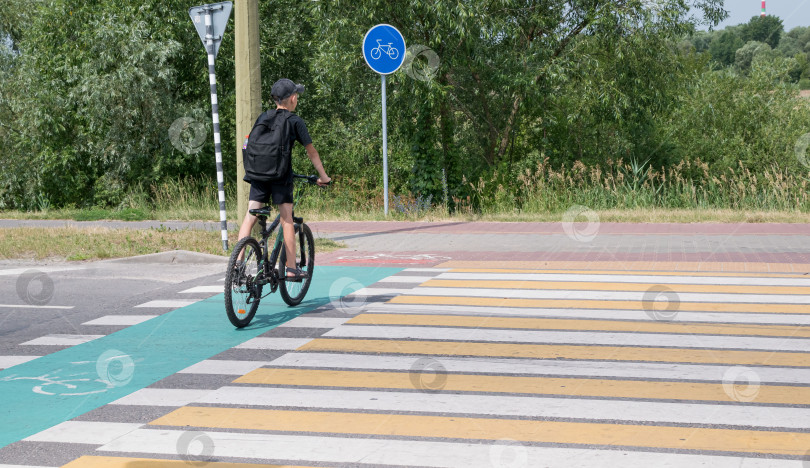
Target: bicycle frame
269 272
269 275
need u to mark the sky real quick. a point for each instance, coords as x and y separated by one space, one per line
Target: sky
792 12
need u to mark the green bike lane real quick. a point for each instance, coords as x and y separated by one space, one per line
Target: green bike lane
63 385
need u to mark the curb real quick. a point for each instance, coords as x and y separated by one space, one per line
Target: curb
174 257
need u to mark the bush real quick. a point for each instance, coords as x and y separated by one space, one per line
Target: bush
804 83
726 119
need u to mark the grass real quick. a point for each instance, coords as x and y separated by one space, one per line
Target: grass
629 215
635 215
657 215
619 192
97 243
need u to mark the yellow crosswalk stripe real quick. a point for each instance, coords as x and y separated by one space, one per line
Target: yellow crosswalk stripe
598 304
477 321
539 351
616 435
606 286
124 462
611 388
718 274
688 268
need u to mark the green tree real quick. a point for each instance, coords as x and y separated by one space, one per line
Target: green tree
95 88
87 98
799 67
767 29
701 40
794 41
14 16
500 62
750 52
727 119
724 47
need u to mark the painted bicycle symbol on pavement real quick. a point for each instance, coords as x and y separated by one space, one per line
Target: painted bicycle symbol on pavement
389 50
112 369
52 384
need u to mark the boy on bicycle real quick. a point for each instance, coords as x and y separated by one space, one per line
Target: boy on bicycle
285 94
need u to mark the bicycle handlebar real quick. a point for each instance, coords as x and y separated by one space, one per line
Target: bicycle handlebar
311 179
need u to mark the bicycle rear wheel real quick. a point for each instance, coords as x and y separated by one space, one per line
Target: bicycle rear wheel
293 292
242 294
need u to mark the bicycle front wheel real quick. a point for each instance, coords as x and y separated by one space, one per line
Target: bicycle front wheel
242 294
293 292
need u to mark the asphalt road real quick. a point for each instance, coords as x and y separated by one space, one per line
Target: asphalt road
447 344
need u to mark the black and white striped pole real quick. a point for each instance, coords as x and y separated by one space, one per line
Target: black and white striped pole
210 21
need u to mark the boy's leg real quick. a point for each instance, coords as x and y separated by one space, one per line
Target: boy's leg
286 211
250 220
248 223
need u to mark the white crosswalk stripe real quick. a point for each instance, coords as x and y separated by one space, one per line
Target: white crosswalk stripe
223 367
368 451
84 432
203 289
61 340
123 320
539 367
167 303
274 343
601 314
11 361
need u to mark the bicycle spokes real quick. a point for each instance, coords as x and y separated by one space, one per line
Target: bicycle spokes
243 282
293 292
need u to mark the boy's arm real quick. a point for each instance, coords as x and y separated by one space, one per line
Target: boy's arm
316 161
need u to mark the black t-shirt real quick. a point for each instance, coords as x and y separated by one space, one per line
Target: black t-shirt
298 132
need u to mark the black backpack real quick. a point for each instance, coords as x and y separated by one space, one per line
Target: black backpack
267 152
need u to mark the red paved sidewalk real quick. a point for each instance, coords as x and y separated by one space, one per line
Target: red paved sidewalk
774 248
480 227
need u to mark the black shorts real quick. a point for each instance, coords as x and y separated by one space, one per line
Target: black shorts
279 192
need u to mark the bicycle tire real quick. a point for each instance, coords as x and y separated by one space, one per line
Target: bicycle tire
239 289
293 292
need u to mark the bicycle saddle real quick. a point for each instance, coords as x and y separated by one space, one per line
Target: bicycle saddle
260 211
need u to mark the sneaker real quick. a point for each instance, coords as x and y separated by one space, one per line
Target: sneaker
295 274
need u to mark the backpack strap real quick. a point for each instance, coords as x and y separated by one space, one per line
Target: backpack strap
281 122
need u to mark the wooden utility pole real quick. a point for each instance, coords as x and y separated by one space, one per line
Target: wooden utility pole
248 87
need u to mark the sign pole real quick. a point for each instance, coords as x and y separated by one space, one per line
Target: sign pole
214 18
384 52
385 145
223 221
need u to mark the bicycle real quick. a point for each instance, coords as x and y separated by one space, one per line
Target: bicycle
246 278
389 50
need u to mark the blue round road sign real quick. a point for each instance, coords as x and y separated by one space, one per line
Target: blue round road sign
384 49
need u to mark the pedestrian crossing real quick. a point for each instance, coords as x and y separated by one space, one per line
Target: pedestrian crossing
496 368
57 341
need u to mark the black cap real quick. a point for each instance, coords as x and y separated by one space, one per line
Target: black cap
284 88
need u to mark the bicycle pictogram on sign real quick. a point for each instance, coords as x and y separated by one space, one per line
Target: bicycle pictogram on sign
389 50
